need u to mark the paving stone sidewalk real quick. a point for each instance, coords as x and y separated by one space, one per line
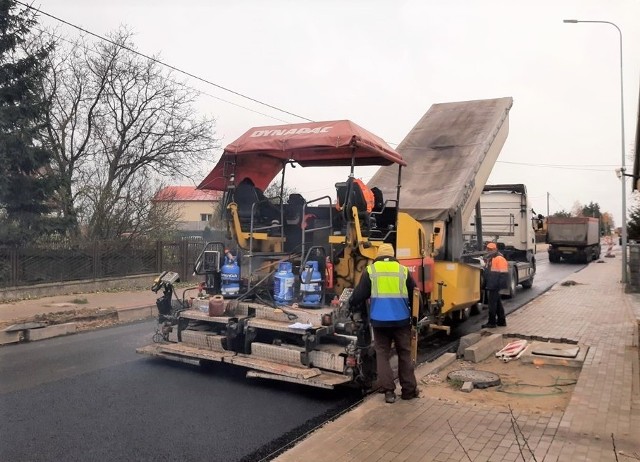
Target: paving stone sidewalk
591 308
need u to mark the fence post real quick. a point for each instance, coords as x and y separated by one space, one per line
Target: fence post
94 259
159 253
13 257
184 256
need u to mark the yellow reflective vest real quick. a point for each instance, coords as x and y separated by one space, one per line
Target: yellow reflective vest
389 296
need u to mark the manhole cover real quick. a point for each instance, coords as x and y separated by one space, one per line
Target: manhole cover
480 379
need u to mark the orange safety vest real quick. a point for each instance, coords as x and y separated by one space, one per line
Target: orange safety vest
497 275
499 264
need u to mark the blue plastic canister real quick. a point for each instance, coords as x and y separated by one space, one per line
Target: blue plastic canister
311 284
230 276
283 284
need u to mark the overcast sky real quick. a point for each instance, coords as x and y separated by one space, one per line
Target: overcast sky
382 64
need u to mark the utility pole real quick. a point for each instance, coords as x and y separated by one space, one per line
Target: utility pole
547 204
622 145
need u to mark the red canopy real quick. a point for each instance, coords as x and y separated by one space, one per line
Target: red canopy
261 152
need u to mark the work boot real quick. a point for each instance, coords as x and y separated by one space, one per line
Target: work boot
489 326
389 397
502 324
414 394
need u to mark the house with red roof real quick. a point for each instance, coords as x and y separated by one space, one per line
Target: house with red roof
195 208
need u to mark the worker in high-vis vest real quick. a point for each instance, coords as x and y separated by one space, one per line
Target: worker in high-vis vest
496 277
389 287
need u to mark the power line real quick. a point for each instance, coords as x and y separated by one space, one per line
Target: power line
557 202
208 82
562 167
162 62
182 84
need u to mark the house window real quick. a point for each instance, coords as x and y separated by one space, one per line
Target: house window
205 216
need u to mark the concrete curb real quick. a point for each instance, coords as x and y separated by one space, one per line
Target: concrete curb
136 313
9 337
125 315
57 330
435 366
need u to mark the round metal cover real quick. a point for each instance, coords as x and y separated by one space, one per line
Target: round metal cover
480 379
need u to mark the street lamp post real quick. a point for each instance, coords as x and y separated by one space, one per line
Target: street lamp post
624 189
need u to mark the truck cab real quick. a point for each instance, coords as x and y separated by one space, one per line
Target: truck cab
504 216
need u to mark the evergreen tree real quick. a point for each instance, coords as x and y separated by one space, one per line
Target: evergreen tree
26 181
633 224
591 210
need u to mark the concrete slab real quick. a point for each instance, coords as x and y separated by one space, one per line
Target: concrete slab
467 341
557 349
554 360
486 347
24 326
9 337
31 335
467 387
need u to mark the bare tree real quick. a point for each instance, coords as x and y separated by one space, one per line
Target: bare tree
118 120
576 210
74 87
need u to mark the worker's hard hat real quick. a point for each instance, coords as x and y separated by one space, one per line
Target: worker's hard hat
492 246
386 250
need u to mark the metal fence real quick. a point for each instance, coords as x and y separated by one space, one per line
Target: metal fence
77 261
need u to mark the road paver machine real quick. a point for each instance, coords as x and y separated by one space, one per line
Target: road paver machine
281 294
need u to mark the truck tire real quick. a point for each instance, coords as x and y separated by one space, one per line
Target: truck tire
554 258
596 253
513 283
585 256
528 283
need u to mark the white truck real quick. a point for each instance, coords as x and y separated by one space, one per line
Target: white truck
504 216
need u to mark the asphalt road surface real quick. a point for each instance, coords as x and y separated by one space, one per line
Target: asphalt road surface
90 397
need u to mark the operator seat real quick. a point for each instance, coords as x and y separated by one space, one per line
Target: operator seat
293 210
247 194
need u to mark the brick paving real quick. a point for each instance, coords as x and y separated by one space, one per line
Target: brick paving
591 308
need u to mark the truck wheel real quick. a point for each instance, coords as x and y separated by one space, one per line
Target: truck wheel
513 283
554 258
528 283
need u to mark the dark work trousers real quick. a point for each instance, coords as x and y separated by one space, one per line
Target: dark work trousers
495 307
401 337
